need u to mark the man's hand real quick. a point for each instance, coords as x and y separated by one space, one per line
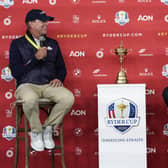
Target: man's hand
41 53
56 83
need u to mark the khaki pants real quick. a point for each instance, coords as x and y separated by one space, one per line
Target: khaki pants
30 93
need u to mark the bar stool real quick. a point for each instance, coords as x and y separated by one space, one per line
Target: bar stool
46 106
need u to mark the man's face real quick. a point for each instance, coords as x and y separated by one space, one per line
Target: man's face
39 26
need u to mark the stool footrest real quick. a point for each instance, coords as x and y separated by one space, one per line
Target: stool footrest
44 104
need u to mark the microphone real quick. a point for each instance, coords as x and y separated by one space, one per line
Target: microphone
42 41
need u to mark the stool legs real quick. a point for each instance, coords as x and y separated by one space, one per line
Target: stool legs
17 137
19 113
62 145
26 144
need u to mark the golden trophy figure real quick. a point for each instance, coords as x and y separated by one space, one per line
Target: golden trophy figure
121 52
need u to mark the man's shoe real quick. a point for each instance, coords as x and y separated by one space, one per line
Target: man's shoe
47 138
37 141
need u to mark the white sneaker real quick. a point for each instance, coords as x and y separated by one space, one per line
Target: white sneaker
47 138
37 141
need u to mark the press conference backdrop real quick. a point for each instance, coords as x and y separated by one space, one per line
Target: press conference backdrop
88 31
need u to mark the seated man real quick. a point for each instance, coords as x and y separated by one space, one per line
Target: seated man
37 65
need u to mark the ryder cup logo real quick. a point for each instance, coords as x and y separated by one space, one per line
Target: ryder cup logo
165 70
165 1
121 18
9 132
122 115
6 74
6 3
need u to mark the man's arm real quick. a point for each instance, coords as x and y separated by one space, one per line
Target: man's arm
60 65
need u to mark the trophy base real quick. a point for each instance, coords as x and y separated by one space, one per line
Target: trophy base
121 77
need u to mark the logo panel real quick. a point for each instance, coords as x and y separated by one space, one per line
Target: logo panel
122 115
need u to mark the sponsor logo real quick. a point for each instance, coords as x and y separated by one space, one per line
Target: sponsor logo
54 22
77 92
99 2
52 2
121 18
72 36
9 132
56 132
77 72
98 73
121 1
145 18
145 52
99 19
151 150
166 18
100 53
149 132
29 1
8 94
124 35
165 70
164 1
78 150
8 113
96 132
78 113
56 153
150 92
75 19
33 152
6 74
6 3
78 132
7 21
77 53
4 37
146 73
10 153
166 51
122 115
75 2
144 1
162 34
6 54
165 129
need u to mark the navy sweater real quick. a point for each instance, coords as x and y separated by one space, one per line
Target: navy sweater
26 68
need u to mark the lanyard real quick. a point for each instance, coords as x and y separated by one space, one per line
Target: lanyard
31 42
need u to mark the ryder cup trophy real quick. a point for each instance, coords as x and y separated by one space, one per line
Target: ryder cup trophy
121 75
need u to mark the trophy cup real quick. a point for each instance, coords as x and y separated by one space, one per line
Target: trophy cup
121 75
